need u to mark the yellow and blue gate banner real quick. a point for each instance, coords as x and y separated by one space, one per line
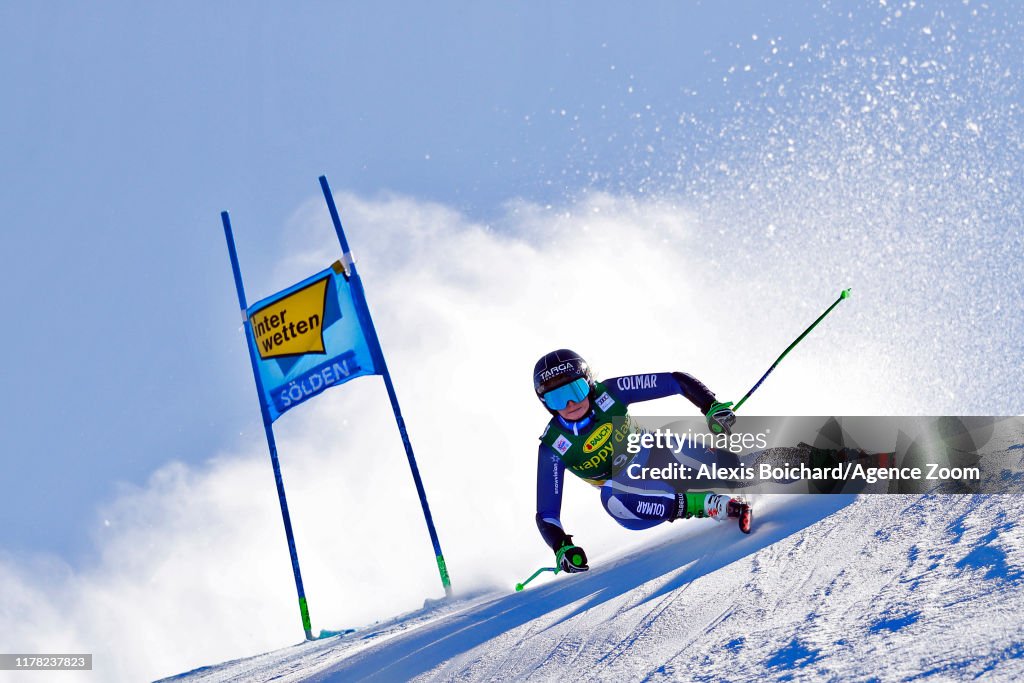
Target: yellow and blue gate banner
314 335
308 338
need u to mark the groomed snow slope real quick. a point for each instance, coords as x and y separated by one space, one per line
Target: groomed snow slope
827 588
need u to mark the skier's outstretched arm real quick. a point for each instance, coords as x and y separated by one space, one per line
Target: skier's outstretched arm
550 476
649 386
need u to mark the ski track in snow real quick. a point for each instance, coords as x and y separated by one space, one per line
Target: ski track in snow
900 588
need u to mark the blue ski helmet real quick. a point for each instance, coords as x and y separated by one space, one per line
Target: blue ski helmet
558 368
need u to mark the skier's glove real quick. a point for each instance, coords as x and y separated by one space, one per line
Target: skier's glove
571 558
720 418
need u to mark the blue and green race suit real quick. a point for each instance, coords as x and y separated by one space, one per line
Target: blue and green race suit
594 448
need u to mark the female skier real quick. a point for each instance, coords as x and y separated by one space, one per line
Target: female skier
588 434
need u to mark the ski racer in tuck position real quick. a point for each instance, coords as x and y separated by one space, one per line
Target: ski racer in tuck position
584 437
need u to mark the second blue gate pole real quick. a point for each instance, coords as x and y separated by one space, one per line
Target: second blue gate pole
381 365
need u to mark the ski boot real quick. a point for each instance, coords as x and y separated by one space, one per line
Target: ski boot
741 511
722 507
714 505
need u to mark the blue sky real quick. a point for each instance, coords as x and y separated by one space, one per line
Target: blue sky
129 127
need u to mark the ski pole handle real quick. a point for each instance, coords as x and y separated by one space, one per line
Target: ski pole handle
559 554
521 586
845 294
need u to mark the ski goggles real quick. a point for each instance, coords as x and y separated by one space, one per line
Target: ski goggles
558 399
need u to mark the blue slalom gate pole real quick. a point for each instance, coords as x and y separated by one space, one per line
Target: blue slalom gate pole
378 358
268 428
